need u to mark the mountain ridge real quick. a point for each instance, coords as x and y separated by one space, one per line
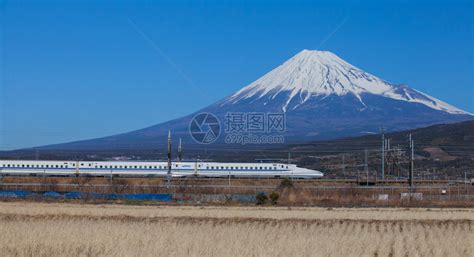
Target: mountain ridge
322 97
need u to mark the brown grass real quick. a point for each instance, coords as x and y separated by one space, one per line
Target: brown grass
39 229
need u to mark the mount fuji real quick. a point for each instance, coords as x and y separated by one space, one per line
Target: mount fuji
322 97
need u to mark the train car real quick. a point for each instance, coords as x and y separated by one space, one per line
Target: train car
151 168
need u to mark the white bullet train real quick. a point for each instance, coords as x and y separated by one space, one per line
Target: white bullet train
150 168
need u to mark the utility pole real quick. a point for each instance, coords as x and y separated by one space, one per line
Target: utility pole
412 155
168 177
343 166
180 151
383 154
366 167
465 179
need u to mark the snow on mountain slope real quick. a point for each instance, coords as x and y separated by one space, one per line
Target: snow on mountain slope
321 73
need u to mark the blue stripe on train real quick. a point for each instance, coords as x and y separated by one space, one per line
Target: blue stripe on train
104 169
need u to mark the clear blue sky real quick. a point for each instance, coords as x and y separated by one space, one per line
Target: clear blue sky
86 69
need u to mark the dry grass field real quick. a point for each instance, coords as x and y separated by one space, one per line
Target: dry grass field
60 229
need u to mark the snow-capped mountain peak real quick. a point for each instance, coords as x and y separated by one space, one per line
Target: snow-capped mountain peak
312 73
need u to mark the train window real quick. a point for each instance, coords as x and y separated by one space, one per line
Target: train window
82 164
261 167
100 166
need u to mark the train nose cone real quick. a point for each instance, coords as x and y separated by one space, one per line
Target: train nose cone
309 173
